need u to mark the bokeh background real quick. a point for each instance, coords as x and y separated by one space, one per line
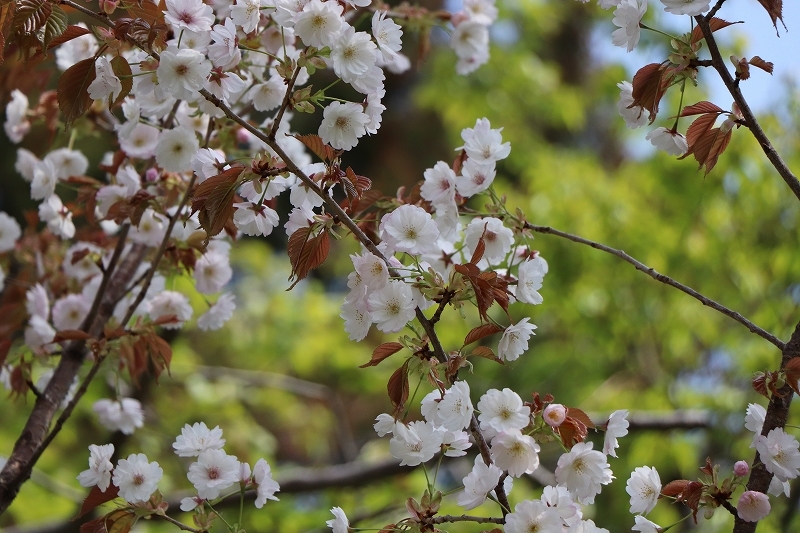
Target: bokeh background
282 379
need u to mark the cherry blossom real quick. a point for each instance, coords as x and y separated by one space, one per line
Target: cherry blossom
123 415
213 472
515 453
779 453
692 8
136 477
616 427
105 83
100 466
9 232
753 506
643 525
391 307
220 312
192 15
554 414
320 23
409 229
627 16
533 515
478 484
17 124
515 340
503 411
343 124
583 471
196 439
339 524
644 488
669 141
634 116
170 304
266 486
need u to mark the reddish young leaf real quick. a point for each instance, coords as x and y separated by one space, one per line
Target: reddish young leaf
673 488
5 346
122 70
6 18
159 352
70 33
699 128
486 353
382 352
649 85
480 332
306 253
71 335
715 24
96 498
707 147
397 387
73 97
775 10
792 372
577 414
701 108
214 200
318 147
31 15
117 521
766 66
480 248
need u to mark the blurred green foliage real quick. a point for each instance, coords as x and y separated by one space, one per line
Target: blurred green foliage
608 337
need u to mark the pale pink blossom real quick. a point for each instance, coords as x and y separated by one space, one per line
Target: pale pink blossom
213 472
266 487
753 506
583 471
554 414
515 453
196 439
484 144
137 478
644 488
192 15
514 341
496 237
533 515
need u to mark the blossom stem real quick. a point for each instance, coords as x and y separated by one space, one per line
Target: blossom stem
676 523
230 528
680 106
646 27
179 525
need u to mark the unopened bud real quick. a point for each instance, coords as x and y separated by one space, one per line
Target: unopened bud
151 174
554 414
741 468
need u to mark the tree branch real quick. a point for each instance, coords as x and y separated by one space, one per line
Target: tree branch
750 119
777 414
466 518
663 279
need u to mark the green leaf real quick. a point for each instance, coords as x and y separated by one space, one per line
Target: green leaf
73 97
56 25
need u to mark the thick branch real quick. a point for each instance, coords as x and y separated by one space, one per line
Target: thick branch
777 414
443 519
663 279
750 119
34 437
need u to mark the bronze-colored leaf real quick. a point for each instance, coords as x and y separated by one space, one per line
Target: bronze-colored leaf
318 147
480 248
759 383
766 66
96 498
775 10
160 353
397 387
31 15
71 32
577 414
479 332
673 488
7 11
701 108
715 24
122 70
306 252
73 96
382 352
214 200
792 372
486 353
708 146
71 335
649 85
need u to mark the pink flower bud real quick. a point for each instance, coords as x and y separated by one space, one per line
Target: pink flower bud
741 468
243 136
108 6
151 174
753 506
554 414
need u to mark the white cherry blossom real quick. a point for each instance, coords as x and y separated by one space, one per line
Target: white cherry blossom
514 341
583 471
478 484
219 313
644 488
100 466
196 439
627 16
137 478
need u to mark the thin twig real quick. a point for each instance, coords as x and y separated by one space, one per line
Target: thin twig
663 279
750 119
179 525
466 518
714 9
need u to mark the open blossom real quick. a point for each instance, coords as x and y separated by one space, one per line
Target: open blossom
409 229
754 420
219 313
246 14
496 237
583 471
533 515
515 453
439 187
779 453
192 15
388 35
182 72
392 307
627 16
224 53
476 177
211 272
38 333
319 23
558 497
137 478
100 466
340 523
9 232
254 219
105 83
643 525
484 144
57 216
266 486
644 488
692 8
515 340
753 506
635 117
343 124
17 124
416 443
123 415
357 318
176 148
616 427
69 311
503 411
371 269
384 424
529 280
140 141
77 49
170 304
213 472
353 53
669 141
478 484
454 411
196 439
470 41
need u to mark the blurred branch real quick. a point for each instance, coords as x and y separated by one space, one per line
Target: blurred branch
750 118
664 420
663 279
300 387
